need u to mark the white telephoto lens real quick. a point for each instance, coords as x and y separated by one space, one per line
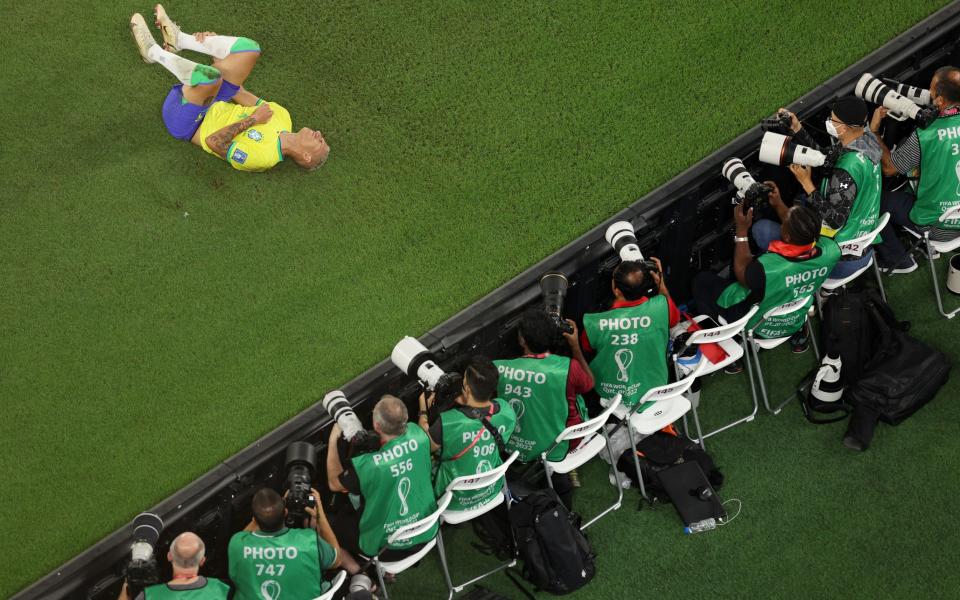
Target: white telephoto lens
771 148
405 351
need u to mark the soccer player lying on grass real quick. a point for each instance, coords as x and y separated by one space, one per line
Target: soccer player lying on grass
210 107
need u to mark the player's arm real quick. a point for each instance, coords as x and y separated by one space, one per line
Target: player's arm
245 98
219 141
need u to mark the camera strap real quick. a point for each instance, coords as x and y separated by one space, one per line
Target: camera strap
485 421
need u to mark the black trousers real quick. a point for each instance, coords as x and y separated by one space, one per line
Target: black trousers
707 288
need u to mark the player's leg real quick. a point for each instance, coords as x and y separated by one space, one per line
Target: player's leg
235 57
200 82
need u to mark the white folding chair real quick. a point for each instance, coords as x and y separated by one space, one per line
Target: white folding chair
656 409
723 337
934 248
334 586
466 483
408 532
755 344
594 440
856 247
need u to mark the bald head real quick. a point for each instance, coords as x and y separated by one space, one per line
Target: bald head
946 86
187 551
390 416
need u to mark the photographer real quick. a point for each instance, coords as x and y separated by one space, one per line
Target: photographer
630 339
793 268
849 199
543 389
933 152
470 436
391 486
186 556
289 563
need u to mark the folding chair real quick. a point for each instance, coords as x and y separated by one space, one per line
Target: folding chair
595 439
408 532
856 247
755 344
659 407
723 337
334 586
934 248
474 482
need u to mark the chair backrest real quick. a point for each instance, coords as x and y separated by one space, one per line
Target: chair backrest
334 586
671 390
951 213
857 246
425 524
723 332
788 307
478 481
586 428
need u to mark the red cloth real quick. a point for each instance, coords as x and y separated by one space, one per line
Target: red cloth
673 312
791 250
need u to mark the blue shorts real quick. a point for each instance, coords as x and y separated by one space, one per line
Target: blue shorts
183 118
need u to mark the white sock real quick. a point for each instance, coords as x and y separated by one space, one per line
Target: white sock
184 69
217 46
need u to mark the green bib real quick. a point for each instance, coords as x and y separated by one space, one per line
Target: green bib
213 590
631 346
536 388
459 432
282 565
939 187
865 212
786 280
395 484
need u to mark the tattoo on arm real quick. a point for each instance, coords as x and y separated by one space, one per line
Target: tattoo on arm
219 140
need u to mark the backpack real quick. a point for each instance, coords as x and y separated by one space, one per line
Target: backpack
660 451
557 557
903 374
848 329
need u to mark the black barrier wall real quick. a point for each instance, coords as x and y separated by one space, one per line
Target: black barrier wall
686 222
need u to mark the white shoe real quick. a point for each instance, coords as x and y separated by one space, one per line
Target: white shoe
142 37
169 29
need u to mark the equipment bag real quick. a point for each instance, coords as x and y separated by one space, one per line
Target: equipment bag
556 556
847 328
660 451
904 373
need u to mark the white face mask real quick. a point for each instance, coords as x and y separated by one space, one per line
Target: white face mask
832 129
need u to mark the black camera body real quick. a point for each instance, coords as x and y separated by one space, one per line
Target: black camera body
756 195
449 387
778 123
301 464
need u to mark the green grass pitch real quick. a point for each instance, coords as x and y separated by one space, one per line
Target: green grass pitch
159 311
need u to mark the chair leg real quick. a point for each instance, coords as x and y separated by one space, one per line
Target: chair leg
876 272
755 353
696 422
750 375
616 478
813 339
383 586
636 463
443 564
936 284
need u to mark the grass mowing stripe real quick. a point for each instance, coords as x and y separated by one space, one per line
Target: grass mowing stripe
158 311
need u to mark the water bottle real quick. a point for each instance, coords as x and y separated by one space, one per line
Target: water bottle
704 525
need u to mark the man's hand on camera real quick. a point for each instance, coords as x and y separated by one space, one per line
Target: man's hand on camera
877 119
335 432
804 175
426 401
795 125
658 276
572 337
742 220
317 507
774 196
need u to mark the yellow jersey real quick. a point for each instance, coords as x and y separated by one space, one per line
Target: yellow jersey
257 148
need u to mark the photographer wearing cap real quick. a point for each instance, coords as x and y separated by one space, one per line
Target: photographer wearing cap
269 558
390 487
934 152
630 340
544 389
469 437
186 556
792 268
849 199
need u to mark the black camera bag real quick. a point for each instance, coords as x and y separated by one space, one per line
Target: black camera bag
557 558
